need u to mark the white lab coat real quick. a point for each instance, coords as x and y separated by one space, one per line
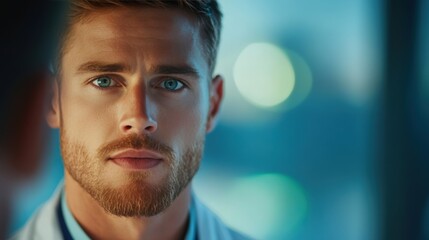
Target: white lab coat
44 224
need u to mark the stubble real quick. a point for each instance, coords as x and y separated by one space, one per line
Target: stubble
136 197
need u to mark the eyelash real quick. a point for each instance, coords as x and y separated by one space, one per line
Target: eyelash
118 83
115 82
159 84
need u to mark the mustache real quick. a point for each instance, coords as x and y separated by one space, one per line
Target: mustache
136 141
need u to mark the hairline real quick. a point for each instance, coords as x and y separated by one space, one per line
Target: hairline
87 16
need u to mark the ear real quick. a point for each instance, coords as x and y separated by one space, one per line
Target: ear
53 113
216 96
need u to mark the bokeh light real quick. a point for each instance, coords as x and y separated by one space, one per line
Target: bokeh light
264 74
303 81
264 206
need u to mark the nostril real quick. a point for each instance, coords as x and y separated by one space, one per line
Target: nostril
138 126
149 128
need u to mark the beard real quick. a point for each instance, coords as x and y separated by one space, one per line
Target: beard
136 196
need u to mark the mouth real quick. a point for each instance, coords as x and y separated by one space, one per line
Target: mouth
137 159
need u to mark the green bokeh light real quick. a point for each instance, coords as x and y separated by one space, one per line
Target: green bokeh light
264 206
264 74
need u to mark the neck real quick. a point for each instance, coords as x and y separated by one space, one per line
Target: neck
98 224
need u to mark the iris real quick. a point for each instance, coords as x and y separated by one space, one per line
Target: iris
172 84
103 82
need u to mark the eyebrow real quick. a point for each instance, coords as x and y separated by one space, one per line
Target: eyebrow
117 67
171 69
103 67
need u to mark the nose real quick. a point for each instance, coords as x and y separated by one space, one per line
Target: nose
136 113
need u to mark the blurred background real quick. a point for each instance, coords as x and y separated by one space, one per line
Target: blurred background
324 129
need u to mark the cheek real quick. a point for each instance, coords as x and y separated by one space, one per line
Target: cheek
182 123
86 118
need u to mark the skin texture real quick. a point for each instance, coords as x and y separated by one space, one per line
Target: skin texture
147 51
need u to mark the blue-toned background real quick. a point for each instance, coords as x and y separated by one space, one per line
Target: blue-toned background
295 150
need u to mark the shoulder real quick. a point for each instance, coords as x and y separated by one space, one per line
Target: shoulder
44 223
210 226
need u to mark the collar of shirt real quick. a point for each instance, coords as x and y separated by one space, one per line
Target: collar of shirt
77 232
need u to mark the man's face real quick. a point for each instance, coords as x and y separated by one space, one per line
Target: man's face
134 103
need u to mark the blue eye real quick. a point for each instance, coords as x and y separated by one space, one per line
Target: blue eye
172 84
103 82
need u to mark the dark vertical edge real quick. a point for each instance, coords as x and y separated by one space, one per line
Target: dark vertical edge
402 173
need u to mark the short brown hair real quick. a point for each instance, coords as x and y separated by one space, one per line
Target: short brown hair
207 13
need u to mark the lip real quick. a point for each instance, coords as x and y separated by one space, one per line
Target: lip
137 159
133 153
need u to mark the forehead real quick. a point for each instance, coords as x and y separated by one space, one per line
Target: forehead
111 22
145 35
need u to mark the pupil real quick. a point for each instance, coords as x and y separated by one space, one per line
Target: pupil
104 82
171 84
